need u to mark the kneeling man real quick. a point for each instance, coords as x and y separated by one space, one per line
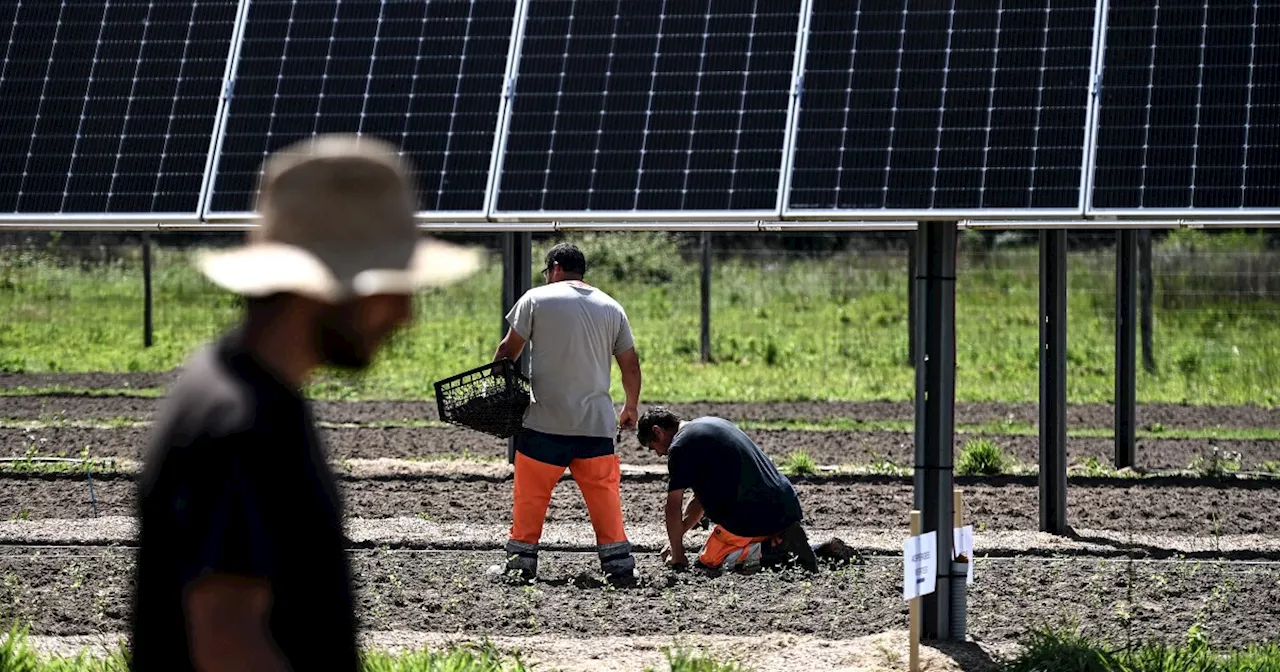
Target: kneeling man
754 507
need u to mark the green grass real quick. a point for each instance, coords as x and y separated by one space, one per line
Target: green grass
799 463
1065 650
17 655
982 457
783 328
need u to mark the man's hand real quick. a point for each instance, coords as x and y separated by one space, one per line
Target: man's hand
628 418
671 559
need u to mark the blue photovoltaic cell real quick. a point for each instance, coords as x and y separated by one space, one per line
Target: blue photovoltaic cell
650 105
109 107
1190 107
426 76
915 105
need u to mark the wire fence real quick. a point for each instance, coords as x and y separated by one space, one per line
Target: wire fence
791 316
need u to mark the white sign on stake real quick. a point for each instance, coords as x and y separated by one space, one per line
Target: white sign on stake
919 565
962 542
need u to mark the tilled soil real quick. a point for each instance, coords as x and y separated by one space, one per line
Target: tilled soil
826 447
86 591
1138 508
1091 415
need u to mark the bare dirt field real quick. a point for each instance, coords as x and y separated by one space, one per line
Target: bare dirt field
85 591
438 588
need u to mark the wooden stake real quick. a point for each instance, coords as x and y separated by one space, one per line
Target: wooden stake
914 655
957 507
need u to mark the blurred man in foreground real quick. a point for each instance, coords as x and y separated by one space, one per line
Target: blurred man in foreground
754 507
241 564
574 330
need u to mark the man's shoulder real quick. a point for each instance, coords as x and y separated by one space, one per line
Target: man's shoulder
209 397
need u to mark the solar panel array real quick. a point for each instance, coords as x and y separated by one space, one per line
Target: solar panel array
547 109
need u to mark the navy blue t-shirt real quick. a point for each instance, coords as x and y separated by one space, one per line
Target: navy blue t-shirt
738 485
236 482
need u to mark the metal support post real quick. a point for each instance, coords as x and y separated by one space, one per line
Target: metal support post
1053 381
517 272
1126 348
706 296
147 330
935 364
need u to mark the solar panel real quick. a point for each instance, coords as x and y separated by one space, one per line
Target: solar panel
926 106
109 106
1190 106
424 75
646 106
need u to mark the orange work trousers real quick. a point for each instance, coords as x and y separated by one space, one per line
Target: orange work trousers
598 479
726 550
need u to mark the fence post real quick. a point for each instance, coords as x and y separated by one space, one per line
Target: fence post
147 327
706 296
1145 290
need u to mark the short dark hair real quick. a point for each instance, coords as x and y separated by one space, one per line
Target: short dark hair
657 416
569 257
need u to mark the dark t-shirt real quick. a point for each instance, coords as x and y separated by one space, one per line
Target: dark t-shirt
236 482
738 486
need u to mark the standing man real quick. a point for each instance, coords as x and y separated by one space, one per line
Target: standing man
573 330
241 564
754 507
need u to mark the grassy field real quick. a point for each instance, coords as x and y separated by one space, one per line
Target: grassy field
784 327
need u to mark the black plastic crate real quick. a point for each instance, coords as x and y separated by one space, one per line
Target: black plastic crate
491 398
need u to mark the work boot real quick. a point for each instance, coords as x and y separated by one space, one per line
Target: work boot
796 543
618 563
522 561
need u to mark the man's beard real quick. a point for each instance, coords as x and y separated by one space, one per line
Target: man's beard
341 345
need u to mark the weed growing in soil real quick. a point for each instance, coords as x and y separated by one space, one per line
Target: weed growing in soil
680 659
1066 650
982 457
799 463
1217 463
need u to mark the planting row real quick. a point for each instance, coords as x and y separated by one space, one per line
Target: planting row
1119 506
884 449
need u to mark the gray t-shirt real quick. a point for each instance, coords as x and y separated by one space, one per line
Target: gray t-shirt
574 331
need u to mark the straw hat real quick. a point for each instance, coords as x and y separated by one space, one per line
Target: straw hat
337 223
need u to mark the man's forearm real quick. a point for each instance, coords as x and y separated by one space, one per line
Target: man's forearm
675 530
631 384
692 515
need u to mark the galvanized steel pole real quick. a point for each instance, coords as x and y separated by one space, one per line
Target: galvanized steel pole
935 364
1053 381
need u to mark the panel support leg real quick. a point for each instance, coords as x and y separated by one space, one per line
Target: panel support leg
1053 381
935 364
706 297
517 272
1126 348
